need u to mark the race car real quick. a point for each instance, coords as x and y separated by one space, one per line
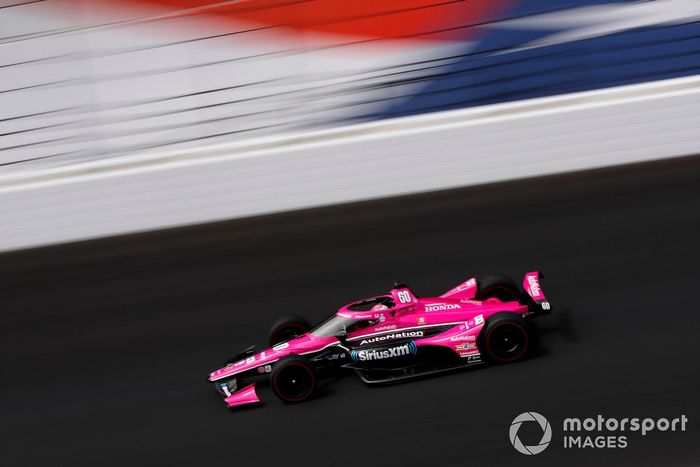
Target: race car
391 337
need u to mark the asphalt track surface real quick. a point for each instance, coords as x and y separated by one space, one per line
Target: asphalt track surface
106 344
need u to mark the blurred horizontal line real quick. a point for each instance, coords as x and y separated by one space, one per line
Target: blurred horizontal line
21 4
421 123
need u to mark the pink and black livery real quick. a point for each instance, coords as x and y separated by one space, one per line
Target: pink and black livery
391 337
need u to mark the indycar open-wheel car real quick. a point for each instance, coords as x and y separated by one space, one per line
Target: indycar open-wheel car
391 337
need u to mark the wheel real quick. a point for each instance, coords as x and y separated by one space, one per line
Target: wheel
505 339
500 287
293 379
287 328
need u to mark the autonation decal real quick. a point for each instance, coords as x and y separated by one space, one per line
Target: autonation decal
597 432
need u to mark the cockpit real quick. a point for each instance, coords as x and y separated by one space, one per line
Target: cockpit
354 317
369 304
336 326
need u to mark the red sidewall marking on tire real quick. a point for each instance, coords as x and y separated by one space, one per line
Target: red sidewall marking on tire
308 370
488 344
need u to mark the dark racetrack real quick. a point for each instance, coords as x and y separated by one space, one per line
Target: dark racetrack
105 345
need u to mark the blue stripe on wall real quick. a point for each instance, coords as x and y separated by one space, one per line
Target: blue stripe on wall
493 72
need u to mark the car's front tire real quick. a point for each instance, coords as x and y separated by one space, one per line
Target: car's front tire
293 379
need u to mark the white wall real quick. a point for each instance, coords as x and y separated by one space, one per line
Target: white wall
387 158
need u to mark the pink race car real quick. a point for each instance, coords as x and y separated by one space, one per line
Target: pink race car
391 337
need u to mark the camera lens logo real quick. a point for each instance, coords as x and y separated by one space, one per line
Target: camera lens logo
546 433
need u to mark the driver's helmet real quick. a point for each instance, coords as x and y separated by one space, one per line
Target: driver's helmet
380 307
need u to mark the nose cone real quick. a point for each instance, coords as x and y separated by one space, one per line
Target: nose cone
220 373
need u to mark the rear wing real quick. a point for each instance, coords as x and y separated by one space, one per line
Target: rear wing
531 286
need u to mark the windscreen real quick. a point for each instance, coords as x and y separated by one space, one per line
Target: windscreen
339 326
333 326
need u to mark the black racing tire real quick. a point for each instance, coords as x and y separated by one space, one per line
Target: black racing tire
501 287
287 328
506 338
293 379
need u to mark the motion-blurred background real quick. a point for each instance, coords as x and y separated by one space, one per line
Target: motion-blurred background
122 116
84 79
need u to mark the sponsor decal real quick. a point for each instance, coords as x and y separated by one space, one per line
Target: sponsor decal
281 346
392 336
420 321
381 354
465 346
472 302
534 286
463 337
463 286
385 328
478 319
471 356
358 315
442 307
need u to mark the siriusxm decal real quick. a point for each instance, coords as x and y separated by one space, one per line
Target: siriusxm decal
390 352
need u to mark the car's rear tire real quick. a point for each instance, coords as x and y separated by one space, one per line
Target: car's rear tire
501 287
505 339
293 379
287 328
